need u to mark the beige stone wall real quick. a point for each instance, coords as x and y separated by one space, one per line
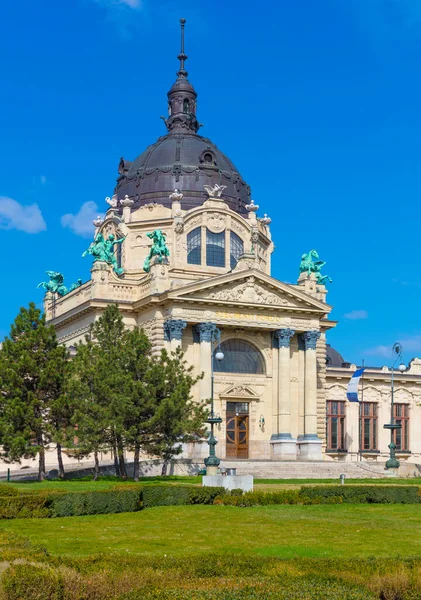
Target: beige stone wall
377 388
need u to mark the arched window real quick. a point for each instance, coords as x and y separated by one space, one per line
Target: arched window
215 249
236 249
186 106
194 246
208 158
240 357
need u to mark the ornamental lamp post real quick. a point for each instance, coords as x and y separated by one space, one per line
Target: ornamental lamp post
393 462
212 461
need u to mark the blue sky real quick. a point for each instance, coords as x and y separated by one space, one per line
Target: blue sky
317 103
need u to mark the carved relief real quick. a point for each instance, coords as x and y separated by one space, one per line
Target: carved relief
238 228
239 391
249 292
216 222
403 396
195 222
336 392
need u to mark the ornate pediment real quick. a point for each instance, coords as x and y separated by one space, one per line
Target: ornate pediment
249 292
239 391
249 288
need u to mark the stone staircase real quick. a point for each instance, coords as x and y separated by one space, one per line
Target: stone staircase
304 470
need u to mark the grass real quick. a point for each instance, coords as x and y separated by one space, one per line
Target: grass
329 531
87 484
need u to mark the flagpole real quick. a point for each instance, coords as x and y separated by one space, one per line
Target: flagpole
360 423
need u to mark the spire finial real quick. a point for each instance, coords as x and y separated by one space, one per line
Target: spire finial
182 57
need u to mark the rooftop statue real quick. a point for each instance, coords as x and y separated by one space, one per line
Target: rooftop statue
103 250
56 286
310 263
159 249
214 191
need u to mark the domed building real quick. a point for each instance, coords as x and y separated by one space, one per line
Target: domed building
185 255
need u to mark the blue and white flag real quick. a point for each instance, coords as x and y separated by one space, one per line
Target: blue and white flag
352 391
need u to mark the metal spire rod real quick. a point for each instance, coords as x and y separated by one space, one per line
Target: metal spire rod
182 56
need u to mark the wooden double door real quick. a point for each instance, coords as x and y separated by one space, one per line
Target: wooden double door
237 438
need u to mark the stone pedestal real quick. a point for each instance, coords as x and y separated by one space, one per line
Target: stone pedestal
211 472
309 448
284 447
229 482
160 281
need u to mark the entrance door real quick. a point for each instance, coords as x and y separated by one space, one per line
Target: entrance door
237 430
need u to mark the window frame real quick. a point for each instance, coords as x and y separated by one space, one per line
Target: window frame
371 419
260 360
338 416
197 232
403 433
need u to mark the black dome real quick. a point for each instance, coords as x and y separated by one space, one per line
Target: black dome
186 161
333 358
181 159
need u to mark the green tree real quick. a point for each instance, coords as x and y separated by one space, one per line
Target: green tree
141 405
90 414
101 388
32 374
177 418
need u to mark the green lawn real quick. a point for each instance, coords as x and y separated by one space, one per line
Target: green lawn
283 531
87 484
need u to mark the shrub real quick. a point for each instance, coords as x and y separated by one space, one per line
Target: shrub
32 582
6 489
95 503
26 506
370 494
237 492
204 495
165 495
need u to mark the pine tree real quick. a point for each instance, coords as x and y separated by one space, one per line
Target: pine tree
101 388
177 418
141 405
32 372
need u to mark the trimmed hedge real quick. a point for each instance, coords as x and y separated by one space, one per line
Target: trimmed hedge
95 503
26 506
364 494
68 504
173 495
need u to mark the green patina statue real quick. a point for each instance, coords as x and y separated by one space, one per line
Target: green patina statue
56 286
103 250
159 249
310 263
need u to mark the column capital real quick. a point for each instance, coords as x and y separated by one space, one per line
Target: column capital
283 337
207 332
310 339
173 329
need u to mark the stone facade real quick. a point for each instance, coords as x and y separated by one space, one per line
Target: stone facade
179 303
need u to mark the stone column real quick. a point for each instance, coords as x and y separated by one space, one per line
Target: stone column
284 446
310 444
206 333
173 330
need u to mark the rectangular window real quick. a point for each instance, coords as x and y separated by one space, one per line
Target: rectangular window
401 417
368 425
236 249
215 249
335 421
194 246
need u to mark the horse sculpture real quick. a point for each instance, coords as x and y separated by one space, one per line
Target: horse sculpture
56 285
159 249
310 263
103 250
